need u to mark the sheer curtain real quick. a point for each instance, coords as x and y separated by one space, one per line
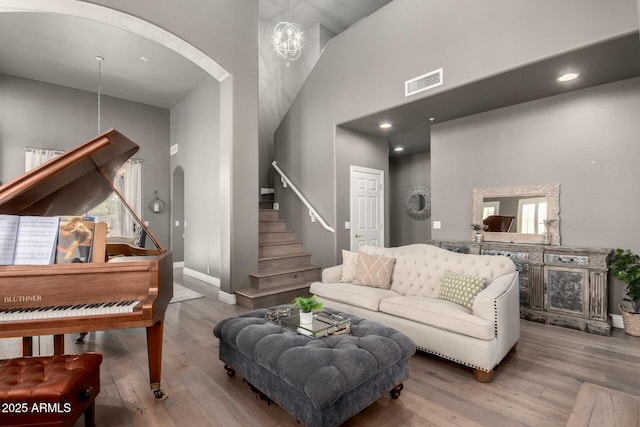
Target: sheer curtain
131 188
36 156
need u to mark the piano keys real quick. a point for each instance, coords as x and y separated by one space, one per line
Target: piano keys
131 287
72 310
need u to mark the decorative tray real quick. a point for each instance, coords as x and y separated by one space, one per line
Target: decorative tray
322 324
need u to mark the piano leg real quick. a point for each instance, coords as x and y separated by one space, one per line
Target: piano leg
58 344
154 354
27 346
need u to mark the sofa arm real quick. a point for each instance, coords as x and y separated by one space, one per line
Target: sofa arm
500 303
332 274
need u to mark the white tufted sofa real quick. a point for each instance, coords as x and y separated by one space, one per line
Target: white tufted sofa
479 337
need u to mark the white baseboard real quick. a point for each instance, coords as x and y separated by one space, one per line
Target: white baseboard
178 264
222 296
616 321
201 276
227 298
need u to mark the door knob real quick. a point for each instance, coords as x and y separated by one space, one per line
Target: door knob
358 235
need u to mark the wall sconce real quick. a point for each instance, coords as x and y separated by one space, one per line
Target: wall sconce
157 204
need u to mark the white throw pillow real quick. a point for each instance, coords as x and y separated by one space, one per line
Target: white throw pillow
349 264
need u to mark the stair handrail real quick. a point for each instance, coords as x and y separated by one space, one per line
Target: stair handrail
312 212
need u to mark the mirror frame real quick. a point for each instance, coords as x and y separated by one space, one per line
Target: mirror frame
551 191
424 213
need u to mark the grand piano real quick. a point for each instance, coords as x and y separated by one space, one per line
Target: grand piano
125 287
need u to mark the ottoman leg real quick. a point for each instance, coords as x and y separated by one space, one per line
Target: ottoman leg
395 392
230 371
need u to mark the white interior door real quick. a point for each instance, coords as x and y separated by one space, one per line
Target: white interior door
367 207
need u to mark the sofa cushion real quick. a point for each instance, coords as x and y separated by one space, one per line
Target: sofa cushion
440 314
374 270
460 288
349 264
356 295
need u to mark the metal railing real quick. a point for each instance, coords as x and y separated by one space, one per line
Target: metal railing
313 214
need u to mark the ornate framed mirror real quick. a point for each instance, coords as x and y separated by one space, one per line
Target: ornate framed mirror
417 202
534 212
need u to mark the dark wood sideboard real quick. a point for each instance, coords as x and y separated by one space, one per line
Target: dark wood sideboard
559 285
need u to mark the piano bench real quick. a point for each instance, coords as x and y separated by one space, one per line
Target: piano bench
49 390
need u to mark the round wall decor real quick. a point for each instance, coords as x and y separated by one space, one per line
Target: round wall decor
417 202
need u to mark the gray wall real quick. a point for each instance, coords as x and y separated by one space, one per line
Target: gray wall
357 149
586 141
470 40
405 173
195 127
42 115
212 26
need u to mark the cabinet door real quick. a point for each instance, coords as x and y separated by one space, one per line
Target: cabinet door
566 290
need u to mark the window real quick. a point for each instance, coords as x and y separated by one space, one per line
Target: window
531 215
112 210
490 208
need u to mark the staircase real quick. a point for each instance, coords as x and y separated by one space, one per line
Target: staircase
284 270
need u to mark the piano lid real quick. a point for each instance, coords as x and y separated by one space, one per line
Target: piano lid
71 183
74 182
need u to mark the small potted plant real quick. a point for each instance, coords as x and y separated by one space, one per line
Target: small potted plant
478 236
307 305
625 266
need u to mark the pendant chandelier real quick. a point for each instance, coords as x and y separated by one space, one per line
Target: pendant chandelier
99 59
287 40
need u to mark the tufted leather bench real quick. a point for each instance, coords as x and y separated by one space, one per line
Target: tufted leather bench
322 382
49 391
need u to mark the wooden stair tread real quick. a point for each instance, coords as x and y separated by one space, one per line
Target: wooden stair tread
283 256
253 292
286 242
284 271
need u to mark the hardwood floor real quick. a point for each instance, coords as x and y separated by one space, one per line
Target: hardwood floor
556 377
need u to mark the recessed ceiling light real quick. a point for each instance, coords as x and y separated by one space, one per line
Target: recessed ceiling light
567 77
398 148
385 125
144 58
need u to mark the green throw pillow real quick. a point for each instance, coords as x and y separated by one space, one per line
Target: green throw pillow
461 289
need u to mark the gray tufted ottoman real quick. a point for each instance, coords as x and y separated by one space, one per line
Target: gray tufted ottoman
322 382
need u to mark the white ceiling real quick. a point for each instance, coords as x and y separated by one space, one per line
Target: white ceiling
61 49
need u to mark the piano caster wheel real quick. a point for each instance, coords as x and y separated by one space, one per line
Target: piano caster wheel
159 395
230 370
80 338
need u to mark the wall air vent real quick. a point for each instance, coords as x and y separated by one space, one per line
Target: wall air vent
173 149
423 82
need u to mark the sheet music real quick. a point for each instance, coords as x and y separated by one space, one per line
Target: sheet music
8 235
36 240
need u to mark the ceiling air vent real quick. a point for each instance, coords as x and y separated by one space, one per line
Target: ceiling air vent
423 82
